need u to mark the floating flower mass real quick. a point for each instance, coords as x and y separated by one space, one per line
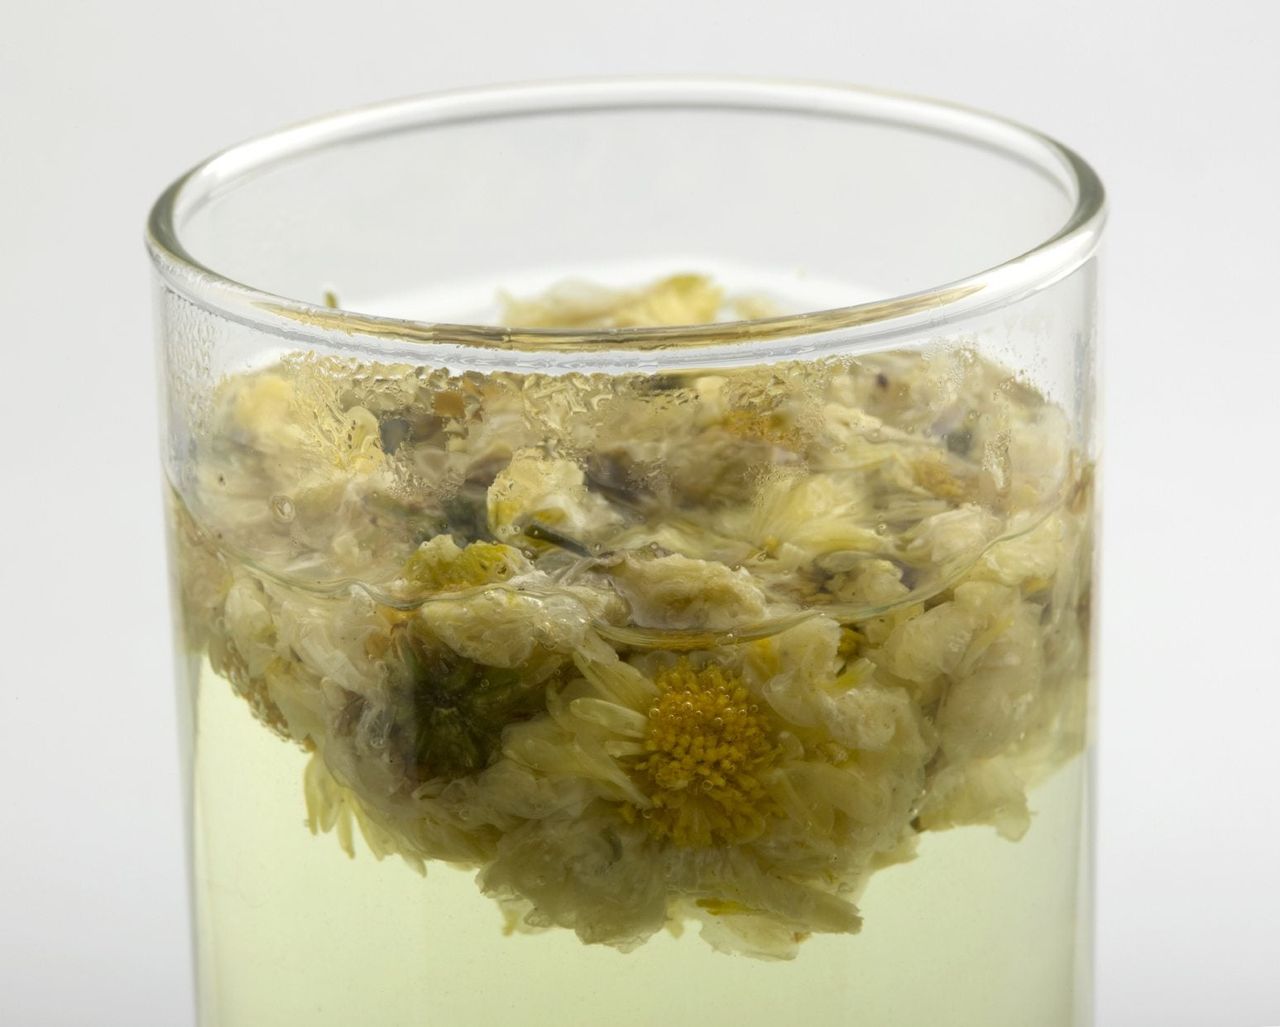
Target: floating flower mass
643 650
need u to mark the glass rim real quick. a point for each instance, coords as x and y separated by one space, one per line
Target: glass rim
762 338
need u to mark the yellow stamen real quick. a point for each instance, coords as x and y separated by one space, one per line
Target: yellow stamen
708 743
768 426
933 474
478 564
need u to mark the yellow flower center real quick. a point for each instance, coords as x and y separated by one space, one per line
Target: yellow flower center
756 426
480 563
932 474
707 744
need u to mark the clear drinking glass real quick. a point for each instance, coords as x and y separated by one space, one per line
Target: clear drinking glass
632 544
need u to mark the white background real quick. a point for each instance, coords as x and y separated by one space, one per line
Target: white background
1178 106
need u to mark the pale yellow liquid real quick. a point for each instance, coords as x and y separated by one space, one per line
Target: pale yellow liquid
975 931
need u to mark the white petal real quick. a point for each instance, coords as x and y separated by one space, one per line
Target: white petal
616 718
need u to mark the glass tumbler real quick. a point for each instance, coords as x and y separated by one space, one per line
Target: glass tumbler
632 548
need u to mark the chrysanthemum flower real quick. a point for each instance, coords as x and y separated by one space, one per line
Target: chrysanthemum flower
757 785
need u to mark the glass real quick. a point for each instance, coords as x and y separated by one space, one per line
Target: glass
632 546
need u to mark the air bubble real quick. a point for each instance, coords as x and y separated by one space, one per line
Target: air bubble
282 508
